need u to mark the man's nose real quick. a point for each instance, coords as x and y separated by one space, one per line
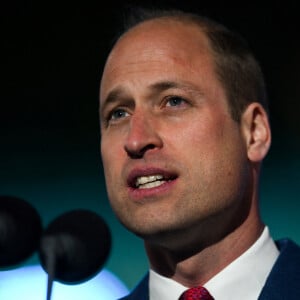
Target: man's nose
142 136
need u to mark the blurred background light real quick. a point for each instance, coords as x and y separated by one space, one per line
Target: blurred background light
30 283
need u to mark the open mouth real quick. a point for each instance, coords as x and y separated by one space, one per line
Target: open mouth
150 181
147 182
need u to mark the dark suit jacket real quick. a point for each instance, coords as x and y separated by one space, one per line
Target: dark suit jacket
283 282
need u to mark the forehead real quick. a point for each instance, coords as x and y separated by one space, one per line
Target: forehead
165 31
155 48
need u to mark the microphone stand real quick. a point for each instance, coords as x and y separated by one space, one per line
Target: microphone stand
50 247
51 273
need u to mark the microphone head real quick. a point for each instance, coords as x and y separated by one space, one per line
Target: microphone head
20 230
75 246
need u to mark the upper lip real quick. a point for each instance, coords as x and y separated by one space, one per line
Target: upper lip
139 172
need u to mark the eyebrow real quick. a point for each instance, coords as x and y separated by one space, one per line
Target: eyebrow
157 87
164 85
112 97
169 84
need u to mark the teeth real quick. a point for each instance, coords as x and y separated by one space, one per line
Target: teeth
151 185
149 181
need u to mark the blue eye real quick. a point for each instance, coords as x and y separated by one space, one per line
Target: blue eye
175 101
118 114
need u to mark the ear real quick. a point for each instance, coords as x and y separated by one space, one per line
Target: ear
256 129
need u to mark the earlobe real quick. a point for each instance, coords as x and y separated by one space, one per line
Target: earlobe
256 129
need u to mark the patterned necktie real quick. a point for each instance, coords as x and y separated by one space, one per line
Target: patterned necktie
196 293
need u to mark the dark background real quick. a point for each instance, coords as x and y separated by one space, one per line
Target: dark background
51 67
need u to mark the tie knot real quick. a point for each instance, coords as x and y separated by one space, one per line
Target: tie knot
196 293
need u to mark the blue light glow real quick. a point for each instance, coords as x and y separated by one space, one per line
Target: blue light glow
30 283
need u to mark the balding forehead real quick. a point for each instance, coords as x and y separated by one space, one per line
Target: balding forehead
158 42
164 26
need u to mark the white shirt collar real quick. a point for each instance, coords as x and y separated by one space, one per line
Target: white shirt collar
243 279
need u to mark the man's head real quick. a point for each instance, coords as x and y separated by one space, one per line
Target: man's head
180 156
235 65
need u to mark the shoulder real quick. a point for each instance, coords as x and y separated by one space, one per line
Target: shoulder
289 254
287 245
283 281
288 262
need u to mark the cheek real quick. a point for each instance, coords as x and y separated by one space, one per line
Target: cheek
111 159
111 167
197 137
215 147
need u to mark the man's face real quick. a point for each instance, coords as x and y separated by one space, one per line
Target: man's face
173 157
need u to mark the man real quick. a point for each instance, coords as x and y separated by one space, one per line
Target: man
184 131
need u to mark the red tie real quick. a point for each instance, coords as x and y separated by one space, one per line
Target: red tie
196 293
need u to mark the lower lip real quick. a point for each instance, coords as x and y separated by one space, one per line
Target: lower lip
155 192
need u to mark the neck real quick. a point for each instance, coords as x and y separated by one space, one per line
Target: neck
200 266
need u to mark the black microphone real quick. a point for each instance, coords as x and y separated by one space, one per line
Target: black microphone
20 230
74 247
